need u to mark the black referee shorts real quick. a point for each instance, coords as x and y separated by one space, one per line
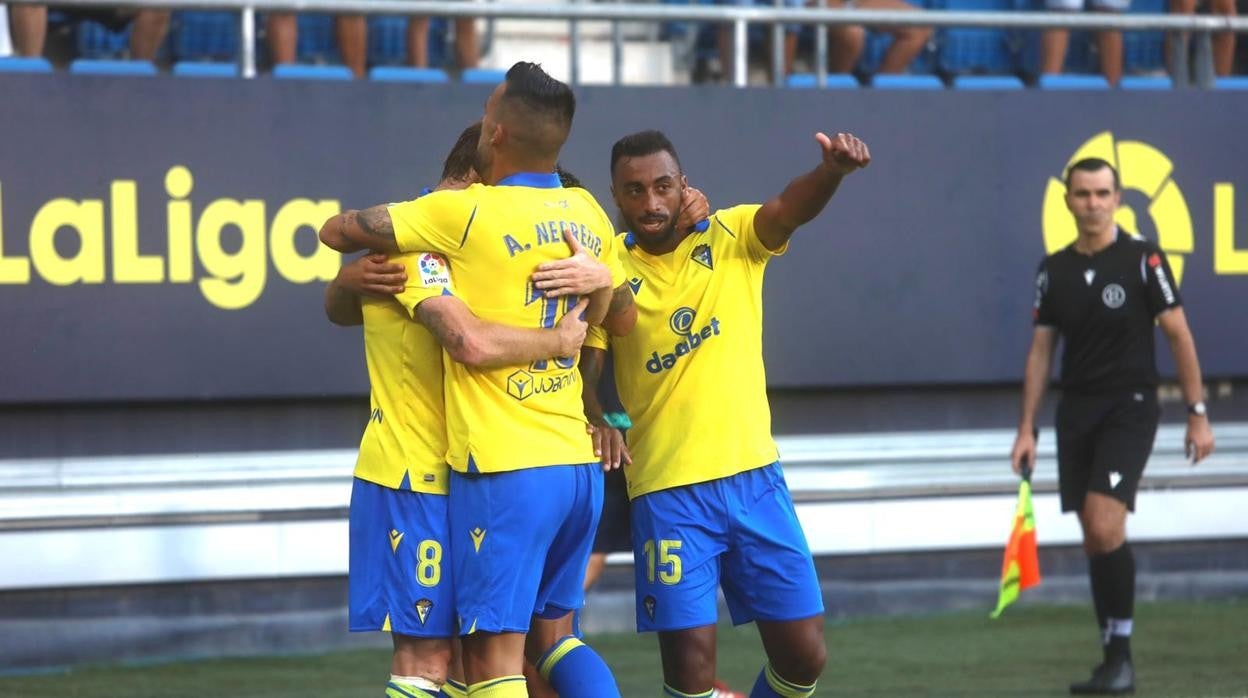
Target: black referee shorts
1103 443
615 529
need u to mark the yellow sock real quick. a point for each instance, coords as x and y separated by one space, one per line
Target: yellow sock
502 687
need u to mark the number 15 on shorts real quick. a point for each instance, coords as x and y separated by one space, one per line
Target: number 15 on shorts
663 559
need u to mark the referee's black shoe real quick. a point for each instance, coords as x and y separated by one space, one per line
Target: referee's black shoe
1115 677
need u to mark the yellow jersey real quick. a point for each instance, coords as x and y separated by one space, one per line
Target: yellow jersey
404 444
691 372
494 237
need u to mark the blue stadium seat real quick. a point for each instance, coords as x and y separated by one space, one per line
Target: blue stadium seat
196 69
303 71
1079 55
1145 52
387 40
876 46
1073 82
987 82
398 73
204 36
1238 82
1146 82
973 50
108 66
482 76
316 40
94 40
835 81
907 82
23 64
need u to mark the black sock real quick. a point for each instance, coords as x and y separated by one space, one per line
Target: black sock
1096 575
1114 574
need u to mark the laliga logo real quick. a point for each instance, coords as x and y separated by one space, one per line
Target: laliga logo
1142 168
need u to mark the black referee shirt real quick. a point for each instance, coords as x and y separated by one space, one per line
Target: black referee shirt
1104 307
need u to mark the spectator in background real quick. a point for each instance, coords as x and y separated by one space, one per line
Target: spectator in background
350 33
1053 42
28 25
466 51
1223 42
846 41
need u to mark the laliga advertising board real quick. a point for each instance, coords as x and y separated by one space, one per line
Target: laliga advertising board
158 237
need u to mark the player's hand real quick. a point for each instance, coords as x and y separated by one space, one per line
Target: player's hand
1024 452
1199 439
843 154
694 209
373 275
572 328
609 446
580 274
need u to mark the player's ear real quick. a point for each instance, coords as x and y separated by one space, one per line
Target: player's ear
684 183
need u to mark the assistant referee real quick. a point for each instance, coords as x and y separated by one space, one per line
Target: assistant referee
1102 294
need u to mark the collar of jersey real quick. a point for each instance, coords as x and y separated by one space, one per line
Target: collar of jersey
537 180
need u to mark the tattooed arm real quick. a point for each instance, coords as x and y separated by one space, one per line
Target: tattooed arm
622 313
353 230
474 342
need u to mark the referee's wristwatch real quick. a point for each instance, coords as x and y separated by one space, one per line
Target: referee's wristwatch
1197 408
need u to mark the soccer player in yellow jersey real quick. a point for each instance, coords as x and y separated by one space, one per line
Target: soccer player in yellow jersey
710 507
526 487
399 525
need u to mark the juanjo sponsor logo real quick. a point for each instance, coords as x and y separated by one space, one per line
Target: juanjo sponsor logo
682 325
522 384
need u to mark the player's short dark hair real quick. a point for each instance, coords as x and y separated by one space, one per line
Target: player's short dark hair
567 179
538 108
1092 165
459 161
641 144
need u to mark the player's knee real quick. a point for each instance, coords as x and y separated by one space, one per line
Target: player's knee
1102 535
806 664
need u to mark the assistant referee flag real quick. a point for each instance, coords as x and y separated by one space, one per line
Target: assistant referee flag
1021 568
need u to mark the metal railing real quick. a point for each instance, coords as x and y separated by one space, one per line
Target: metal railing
1203 26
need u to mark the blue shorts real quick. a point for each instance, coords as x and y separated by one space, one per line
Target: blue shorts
400 576
523 538
739 532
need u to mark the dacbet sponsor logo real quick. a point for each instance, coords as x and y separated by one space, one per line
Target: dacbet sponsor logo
1143 169
434 271
522 384
682 323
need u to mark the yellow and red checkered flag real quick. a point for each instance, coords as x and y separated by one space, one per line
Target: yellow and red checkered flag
1021 568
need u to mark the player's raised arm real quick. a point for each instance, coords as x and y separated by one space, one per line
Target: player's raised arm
352 231
807 195
475 342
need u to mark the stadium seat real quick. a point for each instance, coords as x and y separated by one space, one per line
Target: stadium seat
316 40
204 36
482 76
1073 82
1238 82
396 73
975 50
94 40
1146 82
987 82
22 64
196 69
301 71
837 81
387 40
106 66
1145 52
907 82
